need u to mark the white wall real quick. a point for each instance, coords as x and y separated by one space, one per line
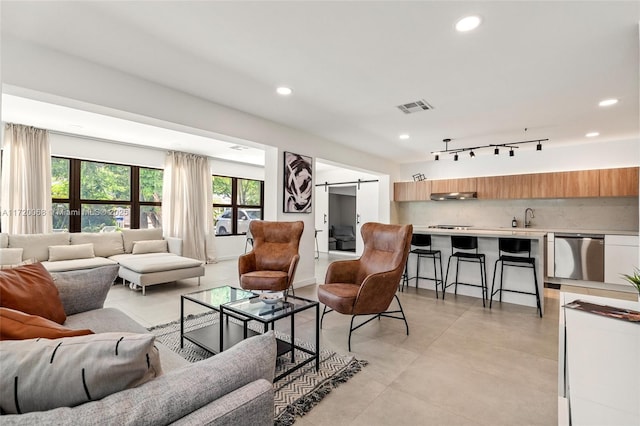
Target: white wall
584 156
40 73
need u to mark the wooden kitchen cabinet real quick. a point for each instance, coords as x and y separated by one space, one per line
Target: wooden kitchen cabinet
404 191
504 187
412 191
454 185
581 183
619 182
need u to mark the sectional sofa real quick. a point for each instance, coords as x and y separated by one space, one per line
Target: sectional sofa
144 256
231 388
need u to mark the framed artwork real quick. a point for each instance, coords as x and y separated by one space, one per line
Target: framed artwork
298 183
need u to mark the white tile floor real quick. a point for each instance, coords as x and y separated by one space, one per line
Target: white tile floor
462 364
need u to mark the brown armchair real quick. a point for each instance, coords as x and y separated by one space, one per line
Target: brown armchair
271 264
368 285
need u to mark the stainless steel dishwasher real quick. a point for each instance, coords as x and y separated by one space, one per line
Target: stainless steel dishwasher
579 256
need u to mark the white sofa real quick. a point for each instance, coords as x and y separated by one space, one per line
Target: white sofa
144 255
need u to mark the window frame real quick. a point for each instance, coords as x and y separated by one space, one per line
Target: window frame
75 201
234 206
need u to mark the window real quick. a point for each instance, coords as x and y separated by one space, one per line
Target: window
91 196
236 202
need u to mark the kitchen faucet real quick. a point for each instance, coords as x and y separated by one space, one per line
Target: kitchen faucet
528 224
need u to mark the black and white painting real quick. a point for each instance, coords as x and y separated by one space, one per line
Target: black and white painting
298 183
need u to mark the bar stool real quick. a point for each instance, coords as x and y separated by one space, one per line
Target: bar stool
422 242
515 246
463 242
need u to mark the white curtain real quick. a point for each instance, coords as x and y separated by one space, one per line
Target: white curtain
25 200
187 210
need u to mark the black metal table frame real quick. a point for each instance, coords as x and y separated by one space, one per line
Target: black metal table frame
182 318
245 317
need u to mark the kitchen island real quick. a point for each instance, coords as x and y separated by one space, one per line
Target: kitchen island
520 279
619 258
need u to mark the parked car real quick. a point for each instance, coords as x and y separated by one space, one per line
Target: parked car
224 225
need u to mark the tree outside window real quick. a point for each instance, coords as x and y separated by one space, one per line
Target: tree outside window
236 202
91 196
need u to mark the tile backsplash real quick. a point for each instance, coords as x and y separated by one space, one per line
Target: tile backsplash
613 214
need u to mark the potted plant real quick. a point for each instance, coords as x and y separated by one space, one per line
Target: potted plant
634 280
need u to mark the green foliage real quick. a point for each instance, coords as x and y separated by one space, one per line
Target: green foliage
59 178
100 181
634 279
150 185
248 192
221 189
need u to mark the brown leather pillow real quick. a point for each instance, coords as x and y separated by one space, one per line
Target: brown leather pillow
30 289
16 325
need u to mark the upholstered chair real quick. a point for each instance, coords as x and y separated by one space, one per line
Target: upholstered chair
367 286
272 262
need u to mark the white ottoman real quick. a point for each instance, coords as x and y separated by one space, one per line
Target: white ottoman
156 268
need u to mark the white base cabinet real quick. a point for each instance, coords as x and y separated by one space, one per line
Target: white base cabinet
620 257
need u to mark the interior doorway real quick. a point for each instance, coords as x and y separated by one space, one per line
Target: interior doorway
342 218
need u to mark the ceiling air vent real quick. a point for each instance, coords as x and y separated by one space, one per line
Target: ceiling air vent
416 106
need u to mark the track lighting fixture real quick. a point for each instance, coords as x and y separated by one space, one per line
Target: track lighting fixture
496 148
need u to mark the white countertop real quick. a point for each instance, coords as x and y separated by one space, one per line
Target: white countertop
520 232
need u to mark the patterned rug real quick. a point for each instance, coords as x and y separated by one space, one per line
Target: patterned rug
295 394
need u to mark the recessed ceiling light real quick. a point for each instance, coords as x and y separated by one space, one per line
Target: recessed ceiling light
608 102
284 91
468 23
404 136
592 134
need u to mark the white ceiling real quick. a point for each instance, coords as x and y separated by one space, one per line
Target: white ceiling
537 65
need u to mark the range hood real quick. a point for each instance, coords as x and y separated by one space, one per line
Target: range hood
441 196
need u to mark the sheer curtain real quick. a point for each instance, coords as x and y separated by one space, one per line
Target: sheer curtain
25 201
187 210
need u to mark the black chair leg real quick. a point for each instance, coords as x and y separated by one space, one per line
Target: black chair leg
446 279
351 330
535 283
493 283
324 311
404 318
455 287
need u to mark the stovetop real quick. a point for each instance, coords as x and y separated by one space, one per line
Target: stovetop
461 227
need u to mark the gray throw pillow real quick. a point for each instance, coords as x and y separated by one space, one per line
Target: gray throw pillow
86 289
42 374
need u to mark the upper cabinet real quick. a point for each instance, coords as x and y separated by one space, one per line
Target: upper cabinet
412 191
619 182
504 187
454 185
581 183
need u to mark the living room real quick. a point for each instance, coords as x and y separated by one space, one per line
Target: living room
115 62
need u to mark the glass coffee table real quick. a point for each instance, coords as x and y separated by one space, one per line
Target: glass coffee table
209 337
255 309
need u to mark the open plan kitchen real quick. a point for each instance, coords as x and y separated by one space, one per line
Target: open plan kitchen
583 232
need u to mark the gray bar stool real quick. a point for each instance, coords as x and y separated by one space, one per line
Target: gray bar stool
514 246
422 242
467 243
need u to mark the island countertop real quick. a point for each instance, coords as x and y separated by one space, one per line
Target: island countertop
519 231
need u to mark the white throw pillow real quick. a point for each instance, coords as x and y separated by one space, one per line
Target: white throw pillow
42 374
78 251
129 236
151 246
37 245
10 256
105 244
